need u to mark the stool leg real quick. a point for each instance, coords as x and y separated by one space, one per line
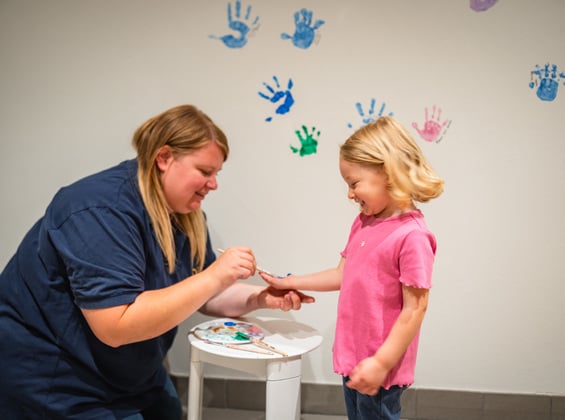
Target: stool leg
283 389
195 390
283 399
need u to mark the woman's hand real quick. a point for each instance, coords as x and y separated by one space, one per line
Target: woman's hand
286 300
237 263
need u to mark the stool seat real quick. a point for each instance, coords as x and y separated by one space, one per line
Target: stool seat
281 373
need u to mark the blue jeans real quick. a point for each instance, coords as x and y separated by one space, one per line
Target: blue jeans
385 405
167 406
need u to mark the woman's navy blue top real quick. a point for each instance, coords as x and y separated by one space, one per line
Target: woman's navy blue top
94 248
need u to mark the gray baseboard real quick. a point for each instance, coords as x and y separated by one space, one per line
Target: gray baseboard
417 403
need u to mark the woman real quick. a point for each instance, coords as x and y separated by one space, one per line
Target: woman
90 302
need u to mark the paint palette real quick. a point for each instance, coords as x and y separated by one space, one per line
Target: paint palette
228 332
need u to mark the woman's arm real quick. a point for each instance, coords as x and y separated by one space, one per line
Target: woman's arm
155 312
242 298
368 376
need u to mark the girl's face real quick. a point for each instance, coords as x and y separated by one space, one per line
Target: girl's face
368 187
186 179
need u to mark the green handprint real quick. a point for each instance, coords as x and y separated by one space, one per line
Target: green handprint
308 144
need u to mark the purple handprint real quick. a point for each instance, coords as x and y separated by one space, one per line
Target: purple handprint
432 126
481 5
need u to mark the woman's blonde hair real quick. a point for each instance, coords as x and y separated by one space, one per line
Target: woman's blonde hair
184 129
386 145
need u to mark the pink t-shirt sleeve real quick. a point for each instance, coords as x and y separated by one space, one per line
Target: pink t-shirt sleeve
417 259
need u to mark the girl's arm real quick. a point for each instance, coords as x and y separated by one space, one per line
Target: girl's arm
322 281
368 376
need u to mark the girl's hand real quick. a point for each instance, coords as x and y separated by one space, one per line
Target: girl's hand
368 376
281 283
234 264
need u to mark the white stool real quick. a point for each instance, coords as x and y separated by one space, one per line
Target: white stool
282 374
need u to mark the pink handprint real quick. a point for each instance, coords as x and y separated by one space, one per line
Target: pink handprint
432 126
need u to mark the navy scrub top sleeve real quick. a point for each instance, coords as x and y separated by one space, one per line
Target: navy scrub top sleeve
103 253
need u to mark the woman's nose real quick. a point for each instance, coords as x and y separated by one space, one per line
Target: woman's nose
212 183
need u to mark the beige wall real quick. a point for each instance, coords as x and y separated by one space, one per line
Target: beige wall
78 77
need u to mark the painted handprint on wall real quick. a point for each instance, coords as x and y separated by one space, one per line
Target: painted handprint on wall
433 126
305 31
308 144
481 5
242 25
276 95
370 116
547 80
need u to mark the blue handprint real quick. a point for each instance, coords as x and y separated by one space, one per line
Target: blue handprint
370 116
277 95
548 80
238 25
305 32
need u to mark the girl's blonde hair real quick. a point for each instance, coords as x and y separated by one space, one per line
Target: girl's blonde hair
386 145
184 129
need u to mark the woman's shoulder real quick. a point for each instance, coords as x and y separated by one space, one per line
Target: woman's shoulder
114 187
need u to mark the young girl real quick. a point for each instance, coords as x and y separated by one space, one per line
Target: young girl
385 270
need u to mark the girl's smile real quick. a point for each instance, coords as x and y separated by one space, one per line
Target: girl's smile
368 187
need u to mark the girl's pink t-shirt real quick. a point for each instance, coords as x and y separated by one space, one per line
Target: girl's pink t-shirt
381 255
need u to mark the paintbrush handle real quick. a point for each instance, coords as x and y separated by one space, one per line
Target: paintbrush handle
221 251
239 347
230 346
264 345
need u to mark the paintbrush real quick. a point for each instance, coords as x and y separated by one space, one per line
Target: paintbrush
221 251
260 343
232 346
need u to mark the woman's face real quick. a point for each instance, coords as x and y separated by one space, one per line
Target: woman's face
186 179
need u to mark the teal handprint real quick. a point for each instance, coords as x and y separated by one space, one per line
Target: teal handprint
546 80
370 116
305 32
308 144
241 26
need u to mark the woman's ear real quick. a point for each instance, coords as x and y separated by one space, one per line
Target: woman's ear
164 158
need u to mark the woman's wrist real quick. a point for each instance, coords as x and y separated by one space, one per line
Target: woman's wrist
255 300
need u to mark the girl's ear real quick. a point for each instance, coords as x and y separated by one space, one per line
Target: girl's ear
164 158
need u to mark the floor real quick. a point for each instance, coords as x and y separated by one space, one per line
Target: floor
224 414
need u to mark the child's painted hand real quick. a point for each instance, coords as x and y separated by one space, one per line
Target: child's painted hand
281 283
368 376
